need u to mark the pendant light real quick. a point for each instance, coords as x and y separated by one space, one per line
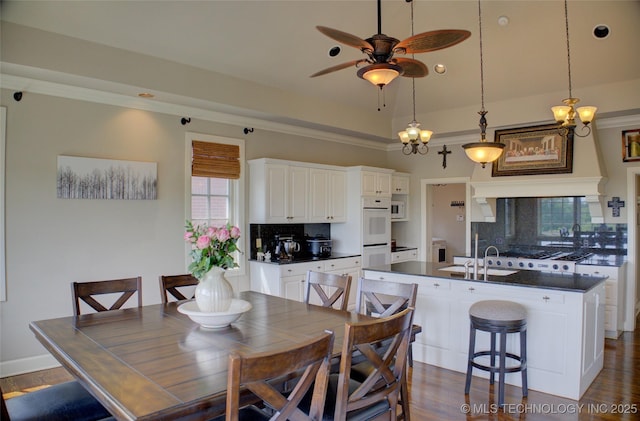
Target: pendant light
566 114
413 139
483 151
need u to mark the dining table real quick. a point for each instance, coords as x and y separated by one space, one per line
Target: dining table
154 363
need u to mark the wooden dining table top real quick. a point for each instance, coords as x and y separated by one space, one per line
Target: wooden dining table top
154 363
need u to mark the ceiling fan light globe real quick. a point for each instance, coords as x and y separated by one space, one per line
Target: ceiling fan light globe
587 113
380 77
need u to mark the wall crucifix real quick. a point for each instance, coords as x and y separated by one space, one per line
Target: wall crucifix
444 152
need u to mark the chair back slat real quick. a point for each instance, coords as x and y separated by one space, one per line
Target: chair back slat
308 363
169 284
88 292
337 285
384 298
384 381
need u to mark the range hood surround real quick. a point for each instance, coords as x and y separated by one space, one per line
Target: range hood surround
587 179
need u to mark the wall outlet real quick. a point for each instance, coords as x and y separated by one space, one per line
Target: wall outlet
460 218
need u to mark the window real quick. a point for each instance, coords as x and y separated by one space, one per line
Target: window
557 215
215 191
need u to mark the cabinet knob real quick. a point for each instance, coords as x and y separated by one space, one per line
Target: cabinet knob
288 270
382 278
545 298
472 289
436 285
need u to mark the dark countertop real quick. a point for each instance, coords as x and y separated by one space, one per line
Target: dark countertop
524 278
306 259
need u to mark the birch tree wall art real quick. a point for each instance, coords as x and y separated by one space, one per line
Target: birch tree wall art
93 178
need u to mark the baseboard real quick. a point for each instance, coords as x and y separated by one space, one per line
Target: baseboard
27 365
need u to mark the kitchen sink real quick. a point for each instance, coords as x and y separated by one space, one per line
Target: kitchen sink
490 271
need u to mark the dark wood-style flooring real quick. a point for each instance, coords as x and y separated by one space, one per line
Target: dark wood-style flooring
438 394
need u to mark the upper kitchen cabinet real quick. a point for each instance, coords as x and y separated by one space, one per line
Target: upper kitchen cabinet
376 182
279 192
400 183
327 195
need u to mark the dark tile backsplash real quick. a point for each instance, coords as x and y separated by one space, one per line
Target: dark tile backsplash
267 233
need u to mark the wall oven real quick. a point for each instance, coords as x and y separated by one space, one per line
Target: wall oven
376 231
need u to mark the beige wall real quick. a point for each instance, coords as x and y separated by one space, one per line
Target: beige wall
51 242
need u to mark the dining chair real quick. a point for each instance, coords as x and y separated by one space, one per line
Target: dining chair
382 299
59 402
169 284
328 283
377 396
86 291
262 373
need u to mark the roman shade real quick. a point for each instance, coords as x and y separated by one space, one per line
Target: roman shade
216 160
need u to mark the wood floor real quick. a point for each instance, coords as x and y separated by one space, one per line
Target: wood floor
438 394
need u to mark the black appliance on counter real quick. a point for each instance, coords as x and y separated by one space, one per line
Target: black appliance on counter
319 247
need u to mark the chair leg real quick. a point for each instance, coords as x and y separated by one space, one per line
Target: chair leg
410 355
472 347
493 357
404 400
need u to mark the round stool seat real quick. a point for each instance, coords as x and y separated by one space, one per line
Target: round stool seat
499 318
498 311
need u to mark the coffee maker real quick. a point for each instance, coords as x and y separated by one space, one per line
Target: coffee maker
286 247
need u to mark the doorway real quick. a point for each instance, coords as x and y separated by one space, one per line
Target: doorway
445 213
632 288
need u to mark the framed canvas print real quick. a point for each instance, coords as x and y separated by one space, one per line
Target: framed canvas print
631 145
534 150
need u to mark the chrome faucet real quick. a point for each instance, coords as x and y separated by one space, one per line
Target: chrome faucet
486 253
466 269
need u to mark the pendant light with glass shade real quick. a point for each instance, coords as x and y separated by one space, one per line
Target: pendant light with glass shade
566 114
483 151
414 140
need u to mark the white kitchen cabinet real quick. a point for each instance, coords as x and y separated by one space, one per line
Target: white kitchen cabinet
327 195
375 183
400 184
279 192
289 280
614 288
565 343
404 255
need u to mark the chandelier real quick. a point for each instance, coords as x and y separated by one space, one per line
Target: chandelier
566 114
483 151
413 139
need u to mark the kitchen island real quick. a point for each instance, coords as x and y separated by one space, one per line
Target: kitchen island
565 321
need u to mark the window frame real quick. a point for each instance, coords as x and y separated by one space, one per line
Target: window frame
237 193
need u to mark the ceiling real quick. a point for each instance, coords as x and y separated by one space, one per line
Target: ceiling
275 43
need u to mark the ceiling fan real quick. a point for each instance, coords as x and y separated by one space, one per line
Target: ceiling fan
380 66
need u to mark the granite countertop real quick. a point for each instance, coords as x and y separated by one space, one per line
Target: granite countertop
307 258
525 278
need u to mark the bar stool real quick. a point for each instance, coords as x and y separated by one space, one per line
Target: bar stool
498 317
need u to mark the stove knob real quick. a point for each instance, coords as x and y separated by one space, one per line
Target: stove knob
521 264
489 262
555 266
510 264
530 265
498 263
565 267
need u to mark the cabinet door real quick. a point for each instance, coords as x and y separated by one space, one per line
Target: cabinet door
297 194
319 191
369 182
337 196
276 185
293 287
384 184
400 184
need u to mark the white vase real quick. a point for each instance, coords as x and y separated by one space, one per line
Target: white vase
214 293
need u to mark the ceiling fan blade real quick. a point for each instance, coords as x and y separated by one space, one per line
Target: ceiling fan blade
345 38
431 41
411 67
338 67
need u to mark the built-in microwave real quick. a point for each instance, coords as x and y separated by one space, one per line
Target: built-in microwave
398 210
